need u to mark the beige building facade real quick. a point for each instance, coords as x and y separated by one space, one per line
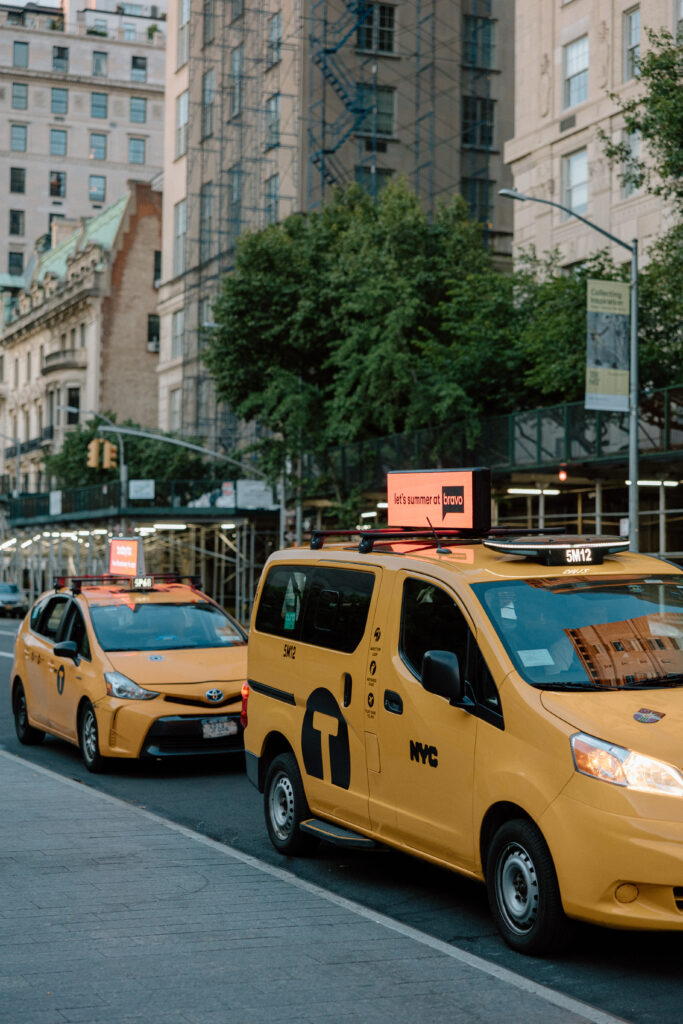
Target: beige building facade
272 104
570 55
82 104
83 337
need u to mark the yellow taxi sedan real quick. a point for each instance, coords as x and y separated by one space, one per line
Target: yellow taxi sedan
127 671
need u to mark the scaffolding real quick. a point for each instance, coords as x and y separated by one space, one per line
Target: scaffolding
477 111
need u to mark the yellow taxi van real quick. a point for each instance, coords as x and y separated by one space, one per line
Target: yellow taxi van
507 706
129 666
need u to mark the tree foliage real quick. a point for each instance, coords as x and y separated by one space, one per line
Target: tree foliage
145 458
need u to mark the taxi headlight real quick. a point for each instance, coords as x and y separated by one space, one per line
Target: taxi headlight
119 685
621 767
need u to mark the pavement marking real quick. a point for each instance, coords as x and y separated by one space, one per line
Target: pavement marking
6 654
508 977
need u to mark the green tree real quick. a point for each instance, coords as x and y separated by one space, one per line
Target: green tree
145 458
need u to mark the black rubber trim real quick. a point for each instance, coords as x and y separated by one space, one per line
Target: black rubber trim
272 691
251 764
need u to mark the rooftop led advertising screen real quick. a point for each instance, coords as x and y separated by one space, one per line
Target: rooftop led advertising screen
440 498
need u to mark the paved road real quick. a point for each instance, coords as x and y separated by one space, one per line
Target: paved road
633 976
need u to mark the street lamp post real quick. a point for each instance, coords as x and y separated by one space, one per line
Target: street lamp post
633 376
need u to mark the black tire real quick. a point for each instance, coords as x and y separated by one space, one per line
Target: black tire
523 893
26 734
89 739
285 807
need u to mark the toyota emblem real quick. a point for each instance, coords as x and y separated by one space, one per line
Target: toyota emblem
214 695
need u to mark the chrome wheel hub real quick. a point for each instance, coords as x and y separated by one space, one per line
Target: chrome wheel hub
517 888
89 735
281 807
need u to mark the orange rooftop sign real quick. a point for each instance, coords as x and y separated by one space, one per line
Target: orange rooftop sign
126 557
442 498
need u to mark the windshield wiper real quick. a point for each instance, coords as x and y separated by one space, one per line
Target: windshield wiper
558 687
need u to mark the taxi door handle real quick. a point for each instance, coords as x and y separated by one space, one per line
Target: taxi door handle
347 689
393 702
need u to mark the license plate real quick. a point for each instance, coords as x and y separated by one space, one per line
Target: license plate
214 727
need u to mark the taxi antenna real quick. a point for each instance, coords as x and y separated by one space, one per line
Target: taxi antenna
439 549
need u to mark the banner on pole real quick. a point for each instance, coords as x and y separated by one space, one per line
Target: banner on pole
608 325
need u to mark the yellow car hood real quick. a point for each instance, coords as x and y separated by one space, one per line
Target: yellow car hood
217 666
649 721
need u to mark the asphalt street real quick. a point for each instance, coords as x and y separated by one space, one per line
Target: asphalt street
635 976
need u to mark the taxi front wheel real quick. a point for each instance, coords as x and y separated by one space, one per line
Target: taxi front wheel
285 806
523 892
26 734
88 740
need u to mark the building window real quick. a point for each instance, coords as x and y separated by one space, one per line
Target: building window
177 333
98 146
182 105
57 142
478 41
60 58
237 80
138 69
208 22
272 198
28 367
575 180
129 32
20 55
99 64
373 179
679 26
15 263
16 222
136 150
179 234
205 221
73 401
631 43
97 188
138 109
58 184
377 31
98 104
59 101
274 45
175 398
82 335
153 332
478 194
208 95
100 27
478 121
157 268
237 9
17 179
576 72
380 103
19 96
273 121
234 202
17 138
632 141
183 32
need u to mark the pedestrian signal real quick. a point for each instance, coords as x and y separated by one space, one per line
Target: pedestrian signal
110 455
94 453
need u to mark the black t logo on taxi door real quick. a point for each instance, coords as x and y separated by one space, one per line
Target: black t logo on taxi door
60 680
323 717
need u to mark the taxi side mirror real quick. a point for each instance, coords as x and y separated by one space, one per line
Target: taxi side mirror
441 675
67 649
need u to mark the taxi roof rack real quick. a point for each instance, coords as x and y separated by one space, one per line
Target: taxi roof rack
368 538
78 582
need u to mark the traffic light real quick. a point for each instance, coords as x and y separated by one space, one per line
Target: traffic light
94 453
110 455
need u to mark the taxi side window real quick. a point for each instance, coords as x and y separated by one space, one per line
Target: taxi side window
282 599
432 621
337 608
37 611
51 618
77 633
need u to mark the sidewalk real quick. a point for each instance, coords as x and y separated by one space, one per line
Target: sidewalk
112 915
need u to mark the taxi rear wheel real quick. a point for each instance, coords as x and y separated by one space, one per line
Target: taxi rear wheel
88 739
286 807
26 733
523 892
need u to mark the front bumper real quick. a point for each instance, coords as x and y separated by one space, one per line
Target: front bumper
140 729
182 735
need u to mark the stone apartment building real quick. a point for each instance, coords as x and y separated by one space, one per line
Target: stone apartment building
83 334
271 104
570 55
82 105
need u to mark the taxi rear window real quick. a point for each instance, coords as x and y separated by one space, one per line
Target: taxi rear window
316 605
162 626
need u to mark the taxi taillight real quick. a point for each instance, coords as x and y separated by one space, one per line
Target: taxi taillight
245 698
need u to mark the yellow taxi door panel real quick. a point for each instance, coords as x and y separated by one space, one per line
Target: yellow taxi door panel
72 678
422 795
40 661
323 615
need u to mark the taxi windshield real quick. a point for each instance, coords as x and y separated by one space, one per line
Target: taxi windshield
162 626
601 633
